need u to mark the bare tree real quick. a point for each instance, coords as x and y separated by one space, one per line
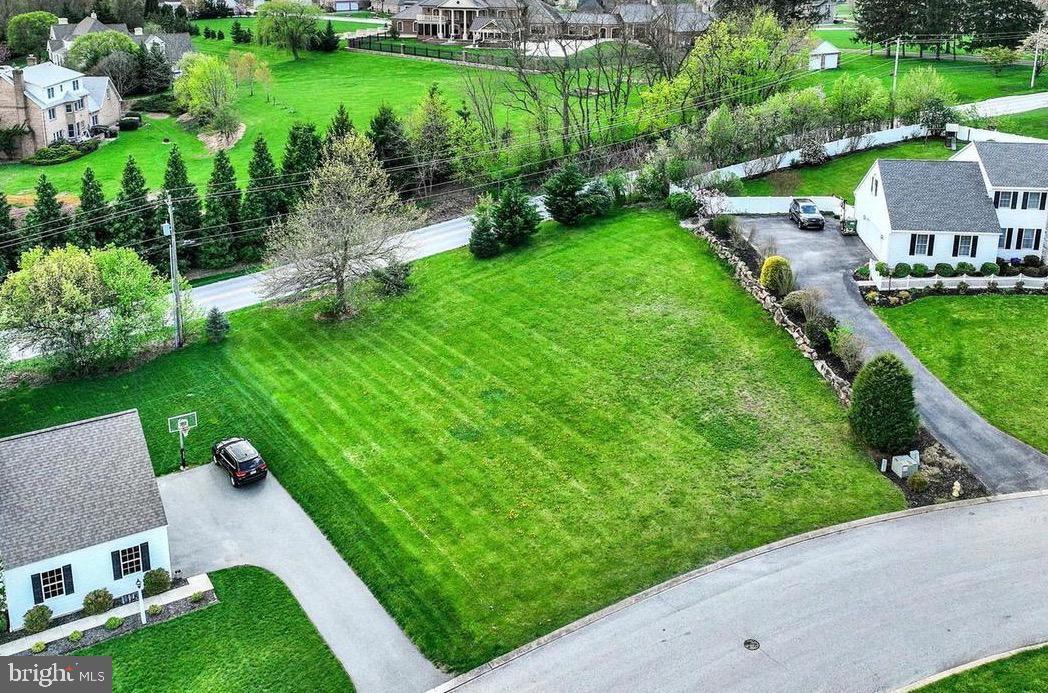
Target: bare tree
121 68
482 89
349 224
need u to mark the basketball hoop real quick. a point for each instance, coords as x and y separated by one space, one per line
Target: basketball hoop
181 425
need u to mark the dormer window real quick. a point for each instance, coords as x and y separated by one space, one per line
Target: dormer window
50 92
76 84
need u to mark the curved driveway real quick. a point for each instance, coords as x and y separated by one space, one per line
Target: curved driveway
868 606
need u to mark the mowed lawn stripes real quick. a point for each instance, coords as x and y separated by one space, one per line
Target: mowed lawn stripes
521 441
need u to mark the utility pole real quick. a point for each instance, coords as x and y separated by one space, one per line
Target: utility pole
1036 53
895 74
172 253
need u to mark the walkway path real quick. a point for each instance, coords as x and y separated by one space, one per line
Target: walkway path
869 606
826 260
212 526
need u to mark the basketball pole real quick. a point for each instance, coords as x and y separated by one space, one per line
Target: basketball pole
172 255
181 449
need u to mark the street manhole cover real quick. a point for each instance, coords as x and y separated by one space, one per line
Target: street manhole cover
751 644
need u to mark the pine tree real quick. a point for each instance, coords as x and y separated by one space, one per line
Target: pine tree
1000 22
880 21
883 411
562 198
391 147
45 224
327 40
87 228
261 206
302 155
185 205
235 31
514 216
483 242
341 125
135 221
430 136
152 8
8 248
221 216
216 325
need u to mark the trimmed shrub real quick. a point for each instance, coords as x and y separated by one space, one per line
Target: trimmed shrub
1032 261
113 622
818 329
562 195
1034 271
393 279
156 581
1019 287
901 270
793 305
38 647
862 271
130 124
944 269
848 347
155 609
882 269
883 411
989 269
196 597
919 270
38 618
683 205
962 288
216 325
965 268
98 602
777 276
917 482
76 636
992 288
54 154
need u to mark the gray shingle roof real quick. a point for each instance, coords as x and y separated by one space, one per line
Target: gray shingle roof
73 486
946 196
1015 164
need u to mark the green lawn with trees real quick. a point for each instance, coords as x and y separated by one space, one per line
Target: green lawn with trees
984 348
256 638
518 441
1026 672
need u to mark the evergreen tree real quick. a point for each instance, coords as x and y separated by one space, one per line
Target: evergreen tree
45 224
87 230
340 126
562 198
327 40
221 36
1000 22
221 215
880 21
514 216
302 155
185 205
430 136
152 8
883 411
8 235
154 71
235 31
216 325
392 148
136 221
483 242
261 206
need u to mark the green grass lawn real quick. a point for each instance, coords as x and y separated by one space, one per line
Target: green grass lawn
519 442
256 638
840 176
1026 672
988 350
340 26
1031 123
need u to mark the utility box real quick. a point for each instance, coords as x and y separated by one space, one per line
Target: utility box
905 466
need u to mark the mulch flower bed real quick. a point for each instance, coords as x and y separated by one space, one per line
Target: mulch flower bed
941 470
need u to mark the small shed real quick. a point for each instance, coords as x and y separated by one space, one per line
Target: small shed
824 56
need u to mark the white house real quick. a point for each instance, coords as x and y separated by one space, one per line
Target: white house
80 511
918 211
1016 178
824 56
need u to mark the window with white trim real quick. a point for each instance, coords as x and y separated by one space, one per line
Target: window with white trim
131 560
920 246
71 131
964 246
1003 238
52 583
1034 200
50 92
94 119
873 186
51 114
76 84
1026 238
69 108
1004 198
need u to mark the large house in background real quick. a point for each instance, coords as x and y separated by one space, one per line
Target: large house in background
63 34
988 201
81 511
55 104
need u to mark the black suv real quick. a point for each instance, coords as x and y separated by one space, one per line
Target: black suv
239 458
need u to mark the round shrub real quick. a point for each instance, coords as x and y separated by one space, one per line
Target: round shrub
721 226
989 269
76 636
776 275
155 609
113 622
944 269
1032 261
882 269
793 305
682 204
818 329
917 482
883 411
38 647
196 597
919 270
38 618
862 272
901 270
1034 271
98 602
965 268
156 581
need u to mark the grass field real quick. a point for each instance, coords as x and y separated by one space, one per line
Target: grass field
1026 672
1031 123
519 442
256 638
988 350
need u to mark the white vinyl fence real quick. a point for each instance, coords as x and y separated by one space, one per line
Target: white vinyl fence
907 283
828 204
979 135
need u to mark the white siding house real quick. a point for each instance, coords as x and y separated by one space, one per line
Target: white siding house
927 212
81 511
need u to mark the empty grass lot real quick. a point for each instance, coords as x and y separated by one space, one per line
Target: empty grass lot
256 638
987 349
1026 672
519 442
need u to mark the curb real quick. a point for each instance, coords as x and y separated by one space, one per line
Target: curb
928 680
651 592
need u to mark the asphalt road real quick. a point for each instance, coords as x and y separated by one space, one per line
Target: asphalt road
212 525
866 608
826 260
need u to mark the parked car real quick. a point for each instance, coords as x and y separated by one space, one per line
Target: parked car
239 458
805 214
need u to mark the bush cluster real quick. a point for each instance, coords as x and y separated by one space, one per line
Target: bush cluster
60 153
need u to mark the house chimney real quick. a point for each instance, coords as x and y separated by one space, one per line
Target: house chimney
30 60
94 15
63 20
19 87
138 31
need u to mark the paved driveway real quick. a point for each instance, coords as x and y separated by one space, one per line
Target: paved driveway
862 608
826 260
213 525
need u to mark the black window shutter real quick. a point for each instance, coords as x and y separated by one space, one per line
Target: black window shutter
1015 199
1044 198
931 243
997 198
67 578
1008 239
956 244
975 245
117 572
144 548
1026 200
1037 239
913 243
38 589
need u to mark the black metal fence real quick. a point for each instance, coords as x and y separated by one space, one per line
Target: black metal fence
383 43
